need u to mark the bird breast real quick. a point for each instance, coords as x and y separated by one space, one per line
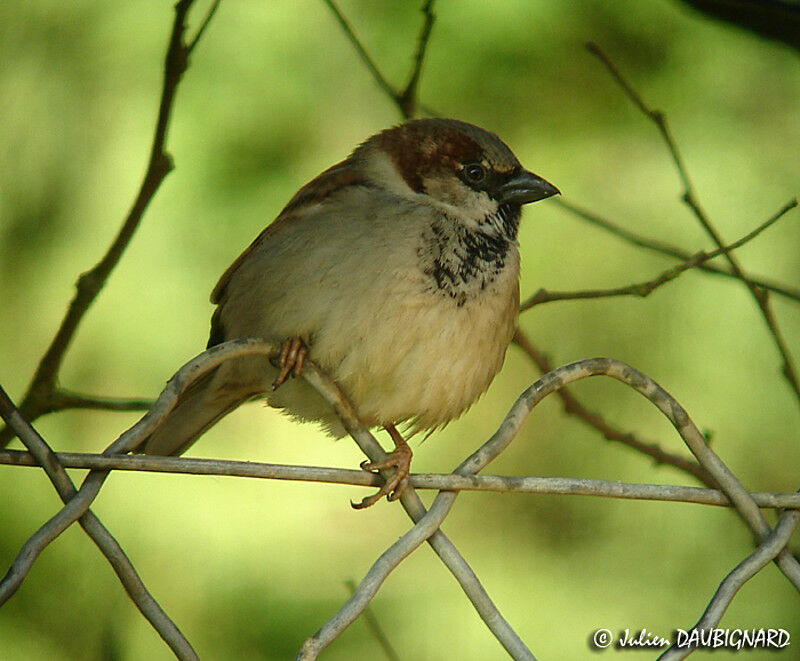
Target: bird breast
400 311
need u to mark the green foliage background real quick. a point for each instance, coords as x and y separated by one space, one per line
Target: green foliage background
274 95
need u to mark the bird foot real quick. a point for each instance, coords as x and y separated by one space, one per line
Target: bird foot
396 483
293 355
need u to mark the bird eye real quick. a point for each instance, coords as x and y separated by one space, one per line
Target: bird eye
475 172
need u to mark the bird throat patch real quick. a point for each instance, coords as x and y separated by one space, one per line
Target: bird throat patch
463 262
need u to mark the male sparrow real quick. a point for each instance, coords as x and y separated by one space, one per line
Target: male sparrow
395 270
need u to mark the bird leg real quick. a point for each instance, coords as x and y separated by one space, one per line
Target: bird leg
396 483
293 355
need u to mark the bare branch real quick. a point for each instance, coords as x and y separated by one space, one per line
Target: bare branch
670 250
573 406
406 100
375 627
65 399
104 540
690 198
41 396
563 486
211 11
773 544
643 289
362 52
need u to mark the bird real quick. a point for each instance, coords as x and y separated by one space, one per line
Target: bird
396 271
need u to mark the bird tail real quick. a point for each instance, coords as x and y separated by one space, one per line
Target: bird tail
200 407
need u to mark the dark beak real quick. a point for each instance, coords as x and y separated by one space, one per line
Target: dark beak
526 187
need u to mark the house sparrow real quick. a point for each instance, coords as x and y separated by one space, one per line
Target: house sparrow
396 271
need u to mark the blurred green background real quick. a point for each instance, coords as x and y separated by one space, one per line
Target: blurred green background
274 95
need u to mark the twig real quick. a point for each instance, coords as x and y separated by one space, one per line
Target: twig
573 406
362 52
439 481
99 534
690 198
211 11
774 543
65 399
375 627
645 288
41 395
406 100
664 248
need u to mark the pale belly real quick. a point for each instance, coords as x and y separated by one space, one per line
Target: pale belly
433 374
418 358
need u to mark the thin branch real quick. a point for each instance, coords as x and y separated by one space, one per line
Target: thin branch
563 486
773 544
43 395
670 250
362 52
690 198
375 627
99 534
406 100
573 406
65 399
39 398
644 289
211 11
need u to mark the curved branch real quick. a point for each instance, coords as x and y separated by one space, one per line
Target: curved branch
773 544
575 407
41 395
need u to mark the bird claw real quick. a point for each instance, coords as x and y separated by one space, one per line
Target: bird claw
396 483
293 356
